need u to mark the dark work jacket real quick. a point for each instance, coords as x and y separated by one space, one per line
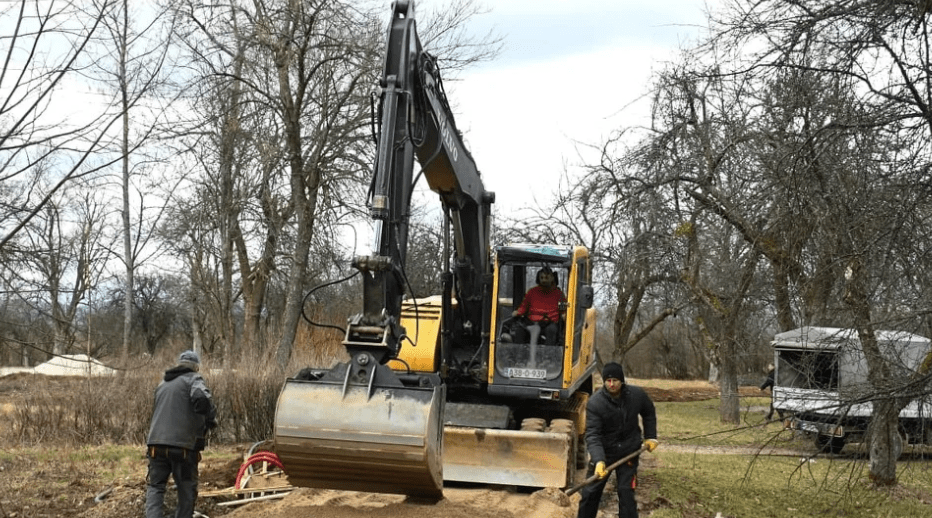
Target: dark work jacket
612 427
769 382
183 410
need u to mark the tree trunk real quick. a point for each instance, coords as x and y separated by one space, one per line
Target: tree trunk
886 412
782 299
254 301
194 274
295 296
729 405
128 256
58 344
229 213
881 439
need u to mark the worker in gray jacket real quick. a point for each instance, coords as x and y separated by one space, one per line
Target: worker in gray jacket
613 431
184 411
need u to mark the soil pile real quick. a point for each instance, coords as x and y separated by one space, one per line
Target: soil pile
457 503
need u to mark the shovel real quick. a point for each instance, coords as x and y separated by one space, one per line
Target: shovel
609 469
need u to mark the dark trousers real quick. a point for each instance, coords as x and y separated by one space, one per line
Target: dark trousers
590 496
549 331
181 464
769 415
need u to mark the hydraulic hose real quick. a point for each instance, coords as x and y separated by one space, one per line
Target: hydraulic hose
262 456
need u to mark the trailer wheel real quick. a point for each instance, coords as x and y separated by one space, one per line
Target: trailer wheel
829 444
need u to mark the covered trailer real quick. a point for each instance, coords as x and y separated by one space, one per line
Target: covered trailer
822 387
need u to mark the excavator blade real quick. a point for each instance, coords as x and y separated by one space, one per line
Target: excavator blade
387 443
508 457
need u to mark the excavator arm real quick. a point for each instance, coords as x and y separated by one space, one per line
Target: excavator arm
415 123
360 425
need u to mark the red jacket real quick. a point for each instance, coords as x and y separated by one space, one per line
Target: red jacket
540 305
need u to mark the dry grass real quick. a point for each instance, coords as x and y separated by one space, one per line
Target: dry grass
75 410
117 409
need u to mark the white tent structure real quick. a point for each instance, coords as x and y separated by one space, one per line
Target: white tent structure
73 365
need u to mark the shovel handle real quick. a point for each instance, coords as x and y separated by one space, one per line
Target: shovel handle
609 469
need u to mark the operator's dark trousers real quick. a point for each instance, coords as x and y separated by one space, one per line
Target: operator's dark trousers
591 495
549 331
181 464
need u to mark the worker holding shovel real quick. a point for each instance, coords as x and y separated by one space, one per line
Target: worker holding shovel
613 434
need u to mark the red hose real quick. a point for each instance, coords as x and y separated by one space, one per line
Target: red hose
262 456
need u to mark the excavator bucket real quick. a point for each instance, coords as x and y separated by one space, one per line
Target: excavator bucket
508 457
374 439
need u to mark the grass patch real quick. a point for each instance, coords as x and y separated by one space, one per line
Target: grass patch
738 485
60 467
697 423
785 487
63 480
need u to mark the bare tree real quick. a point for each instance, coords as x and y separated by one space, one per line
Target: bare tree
289 80
787 164
133 56
46 48
281 134
191 237
65 250
309 65
225 138
424 261
622 235
876 52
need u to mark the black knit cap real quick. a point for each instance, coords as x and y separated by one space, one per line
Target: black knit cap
613 370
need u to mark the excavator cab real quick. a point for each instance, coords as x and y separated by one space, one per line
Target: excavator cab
519 336
540 369
544 386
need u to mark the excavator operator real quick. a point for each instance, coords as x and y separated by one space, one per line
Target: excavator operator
541 309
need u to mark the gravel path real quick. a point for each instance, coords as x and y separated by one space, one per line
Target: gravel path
734 450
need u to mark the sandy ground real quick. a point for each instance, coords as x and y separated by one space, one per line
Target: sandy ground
457 503
479 501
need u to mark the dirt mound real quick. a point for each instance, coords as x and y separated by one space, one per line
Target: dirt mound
693 393
457 503
485 502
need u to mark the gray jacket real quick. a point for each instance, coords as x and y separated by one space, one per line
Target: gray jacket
183 411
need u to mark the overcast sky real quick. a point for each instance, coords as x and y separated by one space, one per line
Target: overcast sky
570 71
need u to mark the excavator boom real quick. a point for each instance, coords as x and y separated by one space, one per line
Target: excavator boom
434 389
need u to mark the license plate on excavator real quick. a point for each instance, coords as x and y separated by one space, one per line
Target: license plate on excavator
533 374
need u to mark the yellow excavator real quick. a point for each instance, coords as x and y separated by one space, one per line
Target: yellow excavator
442 388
